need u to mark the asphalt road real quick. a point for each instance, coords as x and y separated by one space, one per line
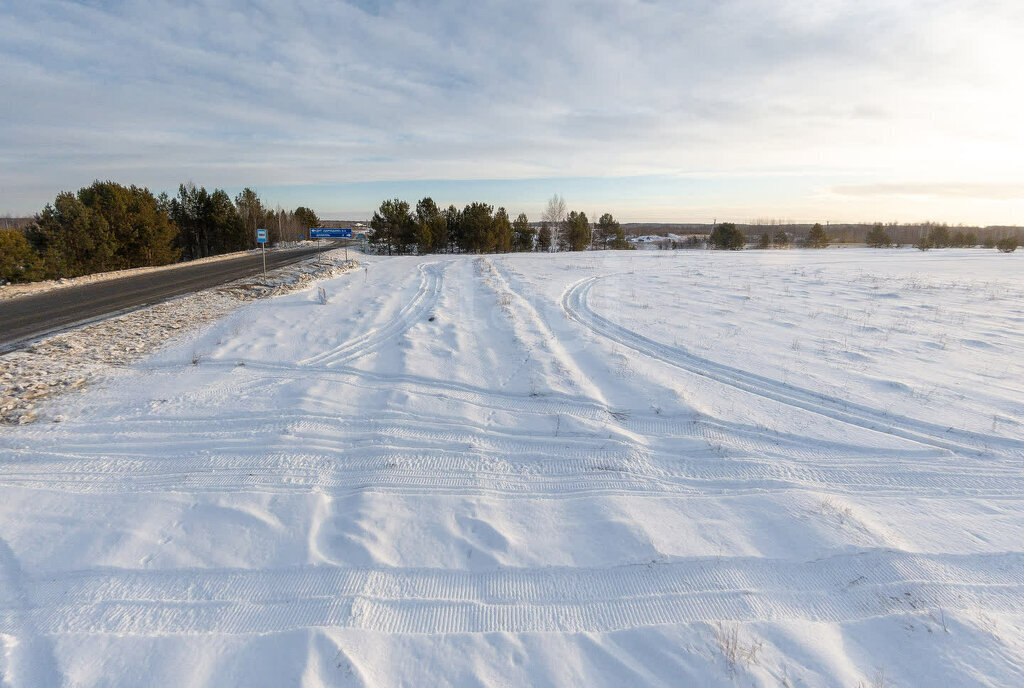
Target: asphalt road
26 317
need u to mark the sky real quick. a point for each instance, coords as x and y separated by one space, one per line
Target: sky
681 111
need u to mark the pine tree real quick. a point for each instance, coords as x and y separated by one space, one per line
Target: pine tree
394 229
877 237
522 234
306 218
544 238
208 223
575 234
501 232
727 236
766 240
18 262
431 227
476 226
938 237
607 230
817 238
453 228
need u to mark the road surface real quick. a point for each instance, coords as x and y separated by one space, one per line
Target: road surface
25 318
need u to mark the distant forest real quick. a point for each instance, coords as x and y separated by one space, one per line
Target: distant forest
108 226
398 228
901 234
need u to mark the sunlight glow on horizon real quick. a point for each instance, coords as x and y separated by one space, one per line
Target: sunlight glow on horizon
669 112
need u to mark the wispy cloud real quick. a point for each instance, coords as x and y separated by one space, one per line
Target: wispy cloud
272 94
980 190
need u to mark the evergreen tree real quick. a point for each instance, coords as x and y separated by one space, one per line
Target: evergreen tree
208 223
70 238
766 240
306 218
877 237
476 225
781 239
106 226
227 232
453 226
544 238
501 232
394 229
606 230
610 233
727 236
522 234
431 227
575 234
18 262
140 230
817 238
938 237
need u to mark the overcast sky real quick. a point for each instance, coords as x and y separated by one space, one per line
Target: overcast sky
686 110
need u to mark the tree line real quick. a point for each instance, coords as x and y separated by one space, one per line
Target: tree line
108 226
727 236
398 228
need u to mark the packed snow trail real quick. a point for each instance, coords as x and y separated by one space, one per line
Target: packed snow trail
491 471
575 303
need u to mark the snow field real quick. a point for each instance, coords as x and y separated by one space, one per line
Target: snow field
687 468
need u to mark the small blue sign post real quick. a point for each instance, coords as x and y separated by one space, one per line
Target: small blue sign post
261 239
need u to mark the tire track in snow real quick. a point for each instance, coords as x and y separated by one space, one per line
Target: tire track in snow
147 435
30 655
431 276
407 601
441 471
533 334
640 425
576 306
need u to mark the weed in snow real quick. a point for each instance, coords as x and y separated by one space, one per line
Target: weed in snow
737 652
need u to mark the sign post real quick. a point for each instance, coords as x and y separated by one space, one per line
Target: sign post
261 239
319 233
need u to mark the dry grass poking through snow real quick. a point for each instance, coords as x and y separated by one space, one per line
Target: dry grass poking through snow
736 650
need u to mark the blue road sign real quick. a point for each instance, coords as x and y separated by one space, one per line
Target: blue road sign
261 236
330 233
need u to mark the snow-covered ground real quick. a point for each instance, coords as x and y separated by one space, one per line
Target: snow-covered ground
71 359
795 468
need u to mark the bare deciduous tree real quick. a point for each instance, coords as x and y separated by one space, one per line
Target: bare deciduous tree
556 211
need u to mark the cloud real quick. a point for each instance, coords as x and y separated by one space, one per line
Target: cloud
979 190
228 93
